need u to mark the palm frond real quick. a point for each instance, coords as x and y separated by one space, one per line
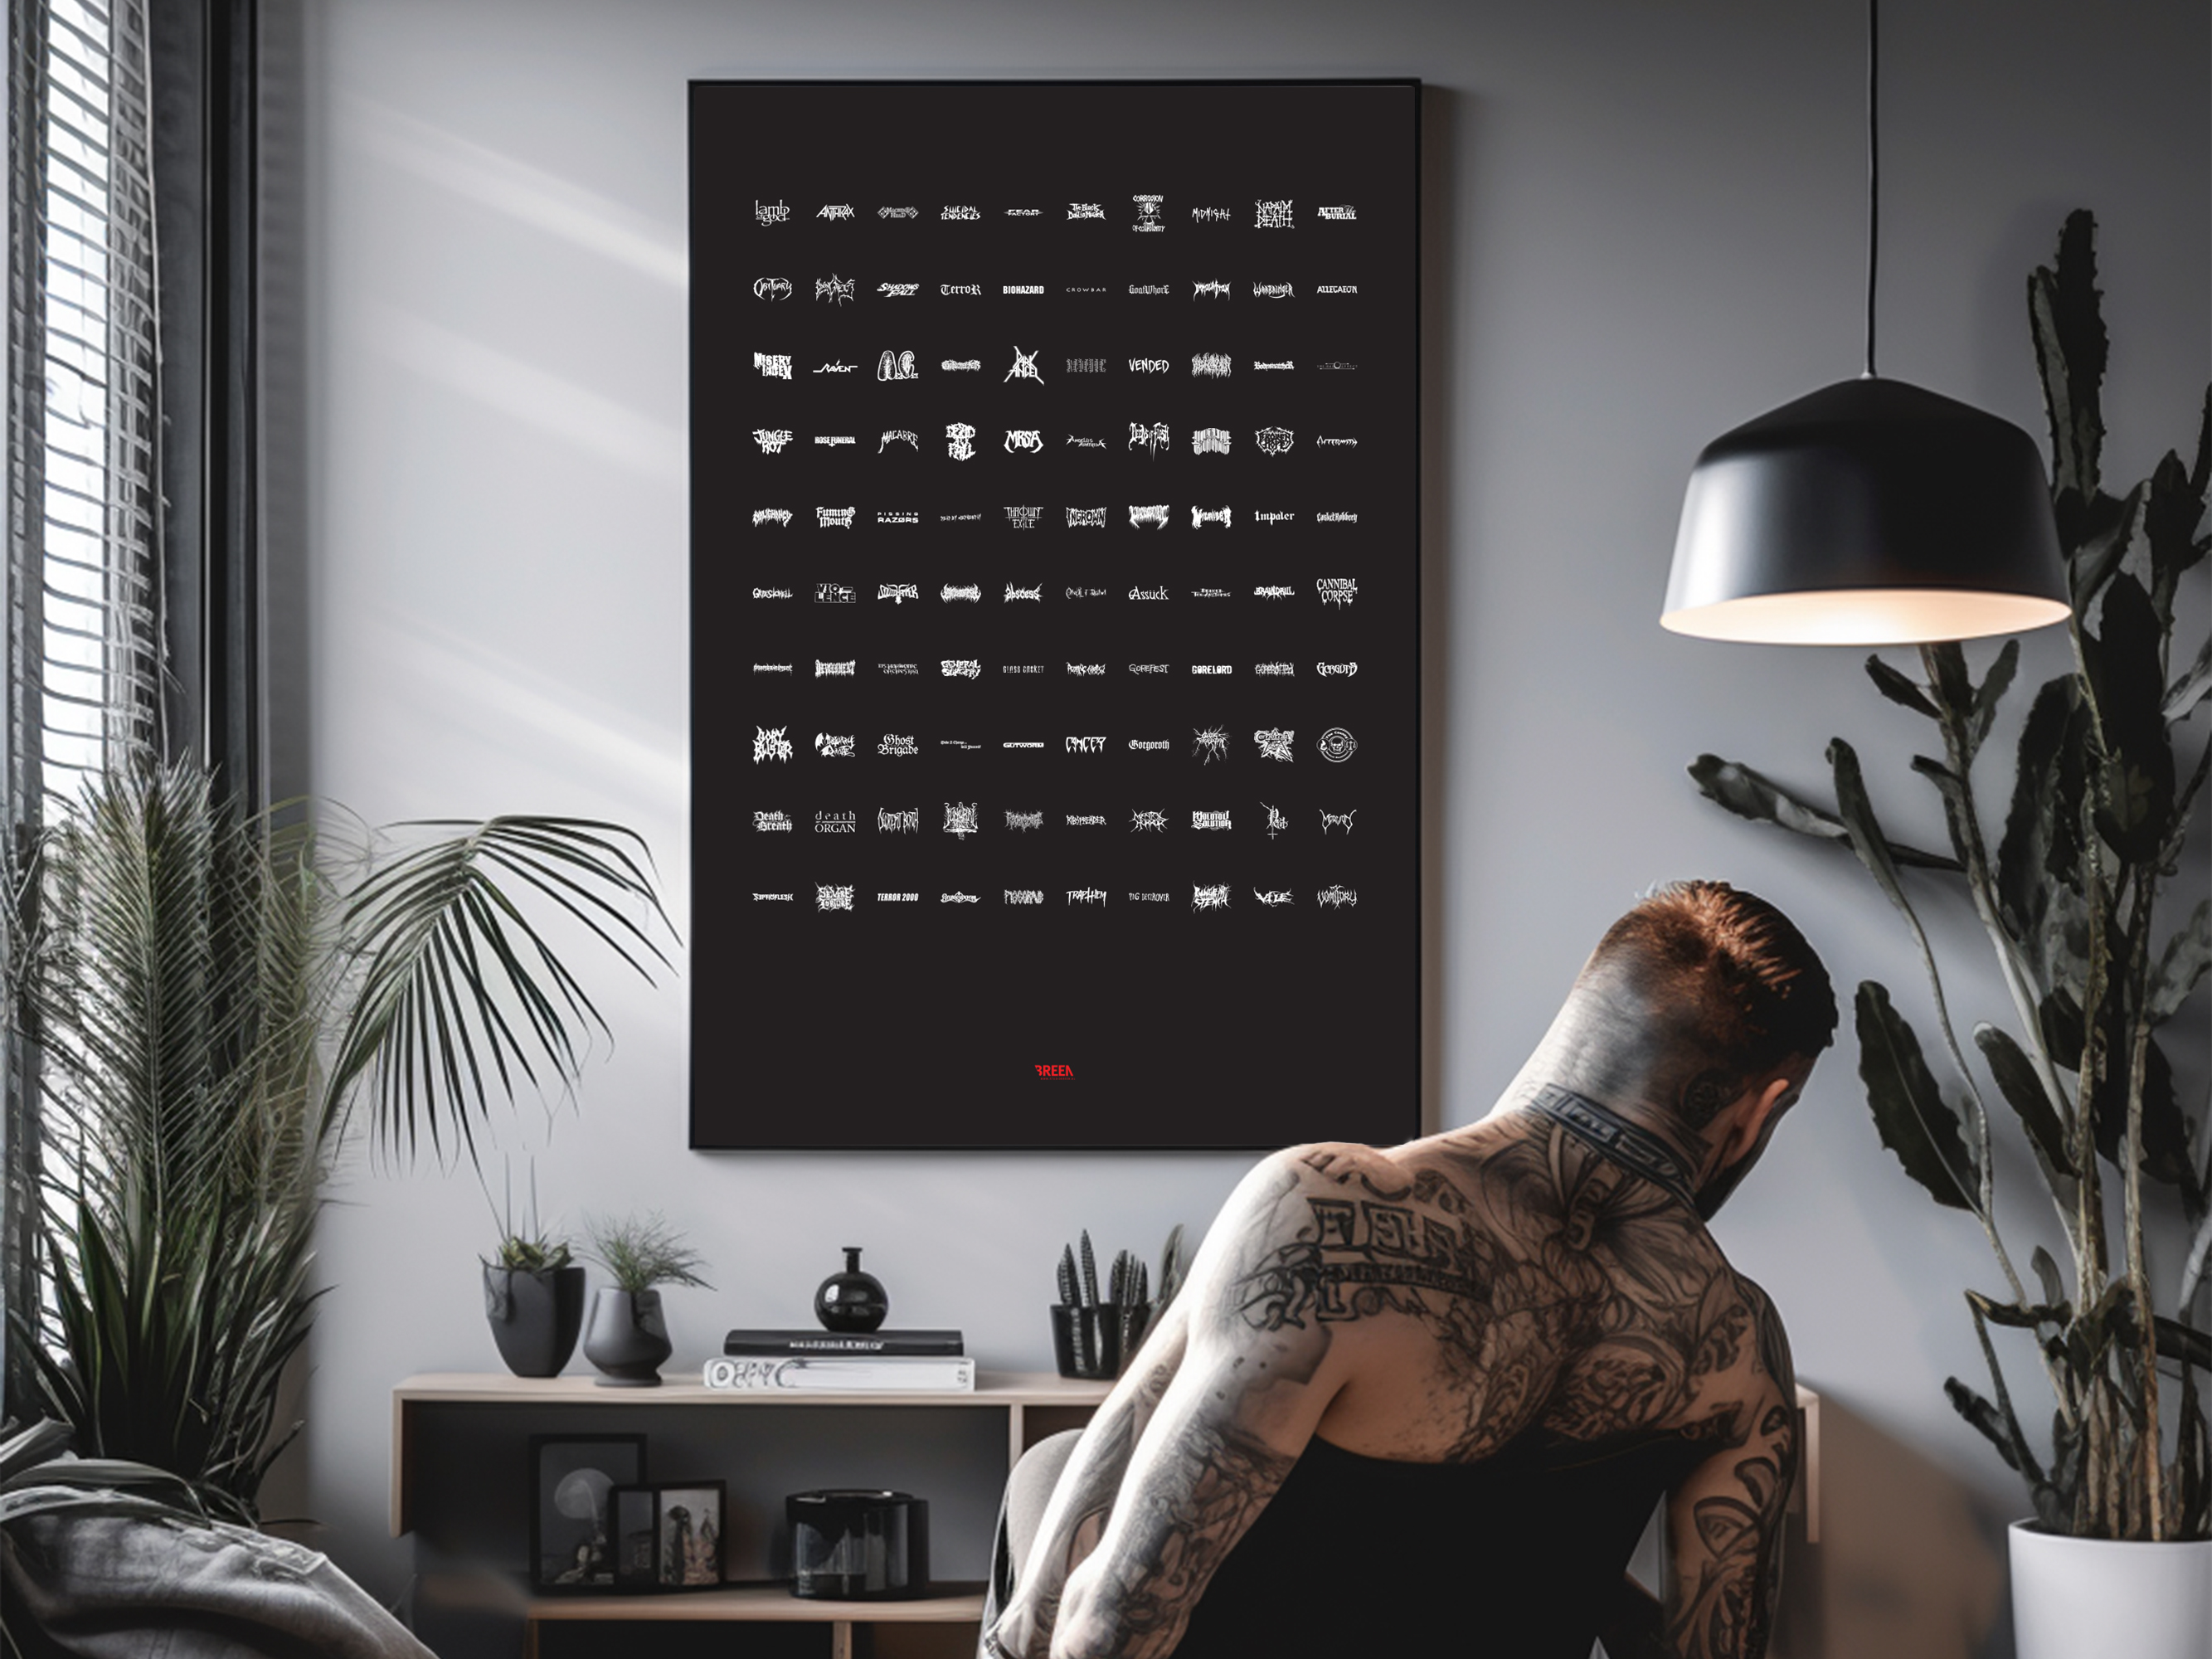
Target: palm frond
459 996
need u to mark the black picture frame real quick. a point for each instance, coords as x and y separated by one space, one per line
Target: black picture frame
571 1479
669 1536
1180 943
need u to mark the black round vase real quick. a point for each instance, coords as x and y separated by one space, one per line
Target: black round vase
852 1300
629 1339
535 1315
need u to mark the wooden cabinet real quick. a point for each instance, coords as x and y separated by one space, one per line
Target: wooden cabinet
460 1486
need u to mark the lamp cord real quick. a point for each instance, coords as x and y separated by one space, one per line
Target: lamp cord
1873 169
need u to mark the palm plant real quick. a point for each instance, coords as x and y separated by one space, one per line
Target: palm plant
213 1000
2100 809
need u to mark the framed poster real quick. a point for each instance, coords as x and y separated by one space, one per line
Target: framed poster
1056 693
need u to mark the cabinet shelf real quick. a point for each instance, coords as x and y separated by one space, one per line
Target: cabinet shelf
772 1603
1036 1403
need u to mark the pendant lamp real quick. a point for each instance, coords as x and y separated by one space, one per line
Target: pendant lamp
1869 512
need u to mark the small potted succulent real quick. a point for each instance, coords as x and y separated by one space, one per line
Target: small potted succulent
1098 1337
627 1337
533 1294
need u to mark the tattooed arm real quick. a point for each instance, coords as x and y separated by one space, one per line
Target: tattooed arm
1083 1496
1257 1370
1725 1523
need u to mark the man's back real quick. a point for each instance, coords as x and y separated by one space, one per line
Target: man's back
1534 1345
1510 1278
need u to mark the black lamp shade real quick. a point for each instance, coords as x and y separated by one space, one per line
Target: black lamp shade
1867 512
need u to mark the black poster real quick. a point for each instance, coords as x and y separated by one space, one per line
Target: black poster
1053 624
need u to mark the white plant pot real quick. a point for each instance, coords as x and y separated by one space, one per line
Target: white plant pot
2076 1598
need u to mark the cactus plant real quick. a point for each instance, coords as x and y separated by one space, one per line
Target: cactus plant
2101 806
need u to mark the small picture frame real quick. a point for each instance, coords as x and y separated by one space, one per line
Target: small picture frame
668 1537
573 1479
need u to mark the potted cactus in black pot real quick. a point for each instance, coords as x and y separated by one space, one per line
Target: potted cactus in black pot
1095 1336
533 1295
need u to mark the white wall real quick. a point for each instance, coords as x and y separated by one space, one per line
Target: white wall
1644 228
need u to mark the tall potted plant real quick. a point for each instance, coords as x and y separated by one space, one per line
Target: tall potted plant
214 1001
2106 785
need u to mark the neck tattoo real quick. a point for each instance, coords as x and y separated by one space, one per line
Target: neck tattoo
1605 1131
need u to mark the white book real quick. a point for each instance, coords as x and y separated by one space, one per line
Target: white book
844 1374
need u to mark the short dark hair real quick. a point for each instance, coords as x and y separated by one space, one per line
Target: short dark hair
1754 991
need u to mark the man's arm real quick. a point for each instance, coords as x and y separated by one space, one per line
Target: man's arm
1725 1523
1238 1410
1083 1496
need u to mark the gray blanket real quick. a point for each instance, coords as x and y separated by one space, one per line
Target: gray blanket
126 1587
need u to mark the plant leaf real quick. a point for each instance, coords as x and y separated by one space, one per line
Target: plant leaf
2135 784
1910 1112
1979 1412
2071 352
2046 1274
2022 1088
2041 843
1990 694
1900 689
2186 693
1750 794
2182 966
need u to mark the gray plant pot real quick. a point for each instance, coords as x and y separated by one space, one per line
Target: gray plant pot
534 1316
627 1339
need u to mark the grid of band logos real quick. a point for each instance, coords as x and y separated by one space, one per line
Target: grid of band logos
863 499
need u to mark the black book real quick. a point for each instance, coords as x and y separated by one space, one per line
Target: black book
860 1343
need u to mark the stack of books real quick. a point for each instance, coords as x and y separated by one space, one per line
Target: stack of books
843 1362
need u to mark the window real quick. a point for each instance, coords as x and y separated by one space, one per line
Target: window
82 638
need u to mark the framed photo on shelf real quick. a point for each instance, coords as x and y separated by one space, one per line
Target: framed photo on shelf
573 1477
669 1537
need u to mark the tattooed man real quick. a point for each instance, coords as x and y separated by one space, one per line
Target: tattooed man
1424 1400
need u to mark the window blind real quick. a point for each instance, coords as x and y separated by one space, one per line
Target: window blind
83 652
